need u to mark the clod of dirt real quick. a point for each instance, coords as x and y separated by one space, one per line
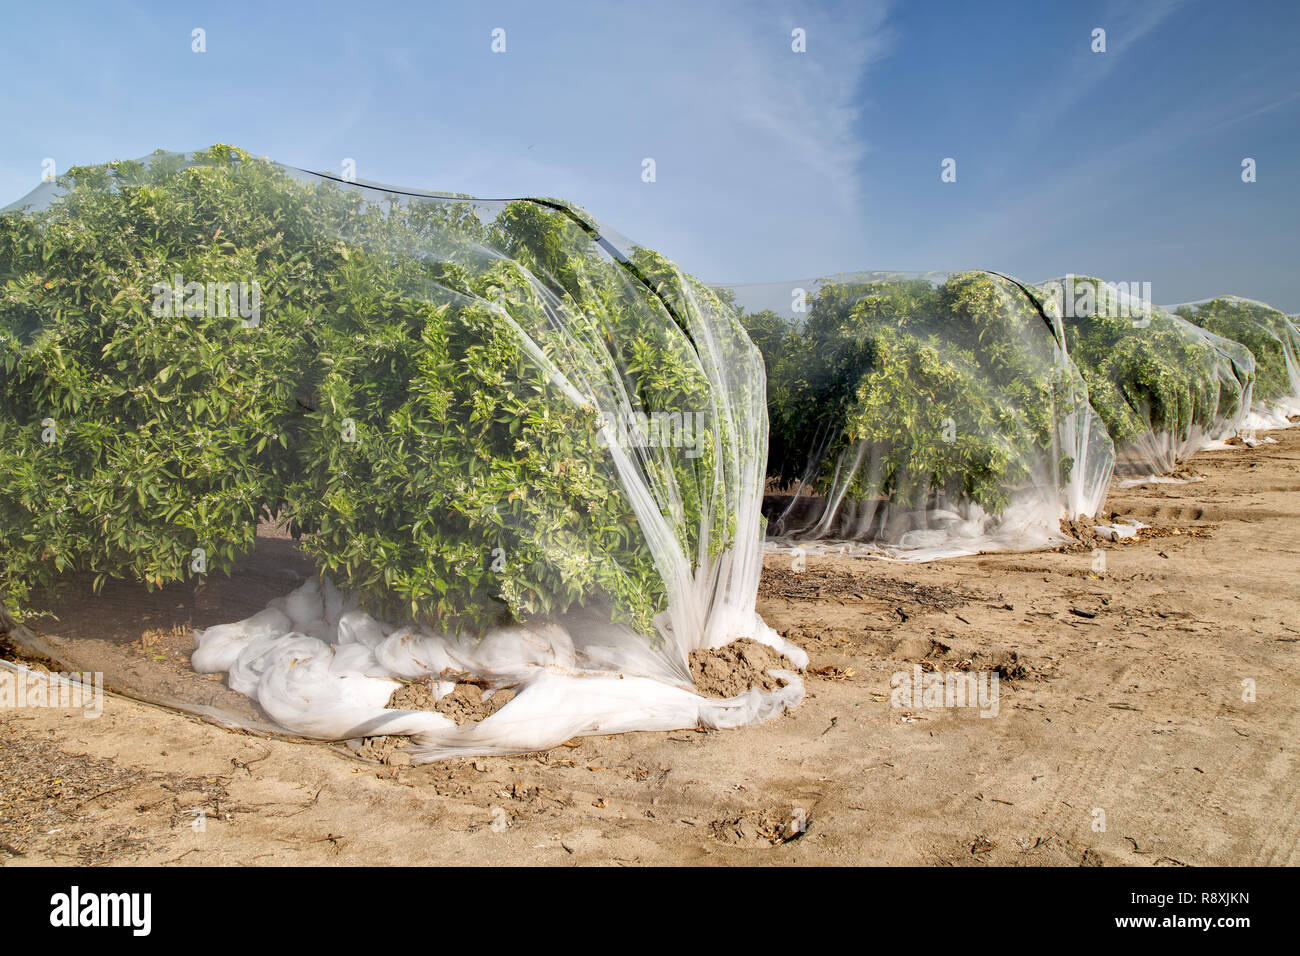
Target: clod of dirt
466 704
982 844
1081 531
731 670
384 749
414 696
772 827
1007 663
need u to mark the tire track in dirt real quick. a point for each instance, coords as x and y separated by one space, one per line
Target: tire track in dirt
1279 843
1089 781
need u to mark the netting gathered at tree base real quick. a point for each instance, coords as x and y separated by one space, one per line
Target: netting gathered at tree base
918 416
356 436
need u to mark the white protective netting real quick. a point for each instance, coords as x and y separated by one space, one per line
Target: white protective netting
918 416
1164 387
1272 338
356 436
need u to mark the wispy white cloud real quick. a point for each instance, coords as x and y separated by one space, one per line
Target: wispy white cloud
750 138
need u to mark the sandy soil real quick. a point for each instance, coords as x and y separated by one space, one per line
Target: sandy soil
1122 735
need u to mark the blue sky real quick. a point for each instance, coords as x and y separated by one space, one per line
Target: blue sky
771 165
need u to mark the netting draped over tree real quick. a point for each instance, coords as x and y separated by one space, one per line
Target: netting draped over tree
509 447
1272 338
1164 387
922 415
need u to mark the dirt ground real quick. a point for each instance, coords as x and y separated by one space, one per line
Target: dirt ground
1124 733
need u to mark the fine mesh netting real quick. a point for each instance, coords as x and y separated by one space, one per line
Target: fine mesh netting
349 437
1272 338
919 416
1164 387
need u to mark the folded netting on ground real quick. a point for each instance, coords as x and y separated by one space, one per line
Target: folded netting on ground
1164 387
919 416
1274 340
361 436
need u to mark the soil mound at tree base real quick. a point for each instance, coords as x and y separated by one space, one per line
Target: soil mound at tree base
731 670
